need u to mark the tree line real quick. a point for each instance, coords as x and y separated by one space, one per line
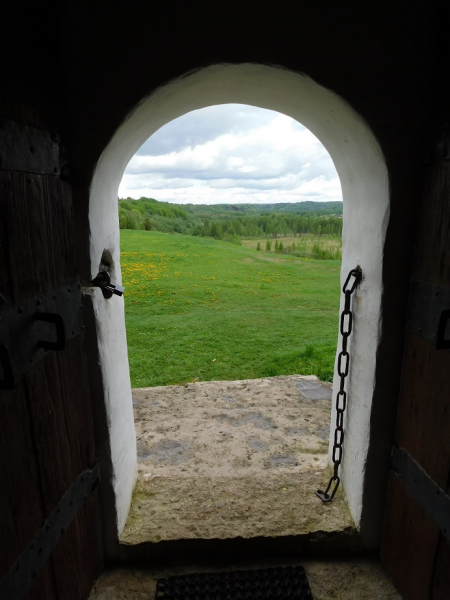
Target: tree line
229 222
269 226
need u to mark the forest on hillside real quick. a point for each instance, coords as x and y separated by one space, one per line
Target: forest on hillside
230 222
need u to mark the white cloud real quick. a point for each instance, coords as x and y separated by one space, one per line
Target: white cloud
232 154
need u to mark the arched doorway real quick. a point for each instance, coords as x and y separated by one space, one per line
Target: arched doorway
364 179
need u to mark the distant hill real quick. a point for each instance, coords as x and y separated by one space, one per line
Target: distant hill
322 208
231 222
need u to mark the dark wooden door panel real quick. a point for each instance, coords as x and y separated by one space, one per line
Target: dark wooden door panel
36 229
18 522
409 544
62 420
423 424
43 587
441 584
414 551
21 506
432 254
46 434
63 428
78 557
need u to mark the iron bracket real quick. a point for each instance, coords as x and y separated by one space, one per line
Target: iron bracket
28 332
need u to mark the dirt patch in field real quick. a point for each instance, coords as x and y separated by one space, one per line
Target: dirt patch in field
223 459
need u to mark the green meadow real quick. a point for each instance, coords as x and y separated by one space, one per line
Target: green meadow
200 309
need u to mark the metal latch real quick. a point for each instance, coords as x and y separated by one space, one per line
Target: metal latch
103 281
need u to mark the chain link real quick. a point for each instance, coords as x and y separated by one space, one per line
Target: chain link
343 365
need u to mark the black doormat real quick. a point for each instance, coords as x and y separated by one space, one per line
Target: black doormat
289 583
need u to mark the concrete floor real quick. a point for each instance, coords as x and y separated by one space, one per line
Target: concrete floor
233 459
355 579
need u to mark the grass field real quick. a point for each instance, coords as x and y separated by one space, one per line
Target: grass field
199 309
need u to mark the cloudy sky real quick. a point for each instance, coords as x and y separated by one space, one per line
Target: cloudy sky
232 153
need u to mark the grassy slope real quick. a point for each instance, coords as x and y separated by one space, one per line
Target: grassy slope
201 309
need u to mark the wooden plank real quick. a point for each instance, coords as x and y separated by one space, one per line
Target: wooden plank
25 233
36 225
432 253
21 509
78 558
62 236
43 587
423 423
441 584
62 421
410 542
18 522
7 245
58 388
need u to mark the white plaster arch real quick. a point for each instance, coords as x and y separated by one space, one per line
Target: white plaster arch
365 186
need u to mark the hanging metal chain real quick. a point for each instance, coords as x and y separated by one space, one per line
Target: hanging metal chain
343 365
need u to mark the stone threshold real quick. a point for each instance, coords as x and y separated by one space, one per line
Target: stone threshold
223 460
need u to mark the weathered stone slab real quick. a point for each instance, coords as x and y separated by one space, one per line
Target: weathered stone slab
223 459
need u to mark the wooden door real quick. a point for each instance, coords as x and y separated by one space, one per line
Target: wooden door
46 427
415 548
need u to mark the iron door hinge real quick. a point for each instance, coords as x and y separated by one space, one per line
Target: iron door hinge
430 497
23 572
